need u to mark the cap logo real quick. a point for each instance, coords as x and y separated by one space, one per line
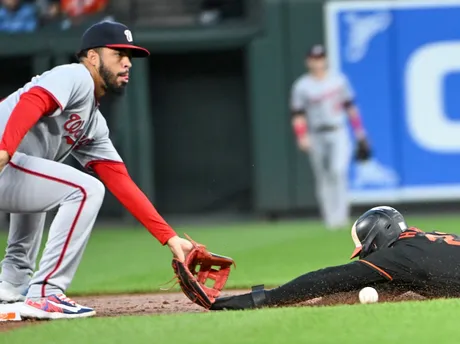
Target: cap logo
129 35
318 49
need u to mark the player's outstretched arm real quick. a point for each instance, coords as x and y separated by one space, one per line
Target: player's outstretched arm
179 247
328 281
115 177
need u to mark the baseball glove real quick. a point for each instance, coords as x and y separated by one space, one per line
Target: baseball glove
200 266
363 152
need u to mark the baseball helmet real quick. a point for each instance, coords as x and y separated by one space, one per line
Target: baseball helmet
377 228
111 34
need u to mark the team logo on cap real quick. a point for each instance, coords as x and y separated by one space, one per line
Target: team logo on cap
318 49
129 35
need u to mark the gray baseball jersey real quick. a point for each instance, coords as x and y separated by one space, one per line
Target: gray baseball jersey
35 181
330 149
76 124
322 100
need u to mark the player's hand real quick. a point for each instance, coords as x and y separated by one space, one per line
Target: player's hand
303 143
180 247
4 159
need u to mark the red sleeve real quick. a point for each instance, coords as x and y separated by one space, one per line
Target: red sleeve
32 105
116 178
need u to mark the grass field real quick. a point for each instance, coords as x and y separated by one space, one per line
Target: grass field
129 260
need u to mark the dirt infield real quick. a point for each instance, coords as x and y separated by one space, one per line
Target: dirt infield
173 303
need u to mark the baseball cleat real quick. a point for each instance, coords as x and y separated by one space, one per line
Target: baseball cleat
10 293
55 307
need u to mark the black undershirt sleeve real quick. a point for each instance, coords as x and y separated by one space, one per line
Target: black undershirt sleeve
295 113
343 278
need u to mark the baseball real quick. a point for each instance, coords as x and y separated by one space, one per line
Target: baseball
368 295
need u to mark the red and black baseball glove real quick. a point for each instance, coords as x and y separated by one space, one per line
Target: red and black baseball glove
200 266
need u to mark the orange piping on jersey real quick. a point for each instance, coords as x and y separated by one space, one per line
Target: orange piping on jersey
407 235
384 273
410 233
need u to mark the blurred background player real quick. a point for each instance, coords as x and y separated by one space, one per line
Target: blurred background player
321 102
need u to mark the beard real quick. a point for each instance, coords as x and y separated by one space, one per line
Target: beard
110 81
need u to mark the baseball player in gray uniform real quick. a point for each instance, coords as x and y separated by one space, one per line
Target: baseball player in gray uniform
321 103
52 116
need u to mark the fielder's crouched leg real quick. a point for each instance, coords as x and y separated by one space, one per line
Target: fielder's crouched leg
79 197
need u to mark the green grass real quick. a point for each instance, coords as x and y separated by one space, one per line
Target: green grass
132 261
410 322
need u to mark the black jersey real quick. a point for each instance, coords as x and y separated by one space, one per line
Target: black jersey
424 262
428 262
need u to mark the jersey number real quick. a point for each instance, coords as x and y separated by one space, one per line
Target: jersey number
447 238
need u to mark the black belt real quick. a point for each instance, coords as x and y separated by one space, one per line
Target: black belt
326 128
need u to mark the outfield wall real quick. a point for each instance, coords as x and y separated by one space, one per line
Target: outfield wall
205 125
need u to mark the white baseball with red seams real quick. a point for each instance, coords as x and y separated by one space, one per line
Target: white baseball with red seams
368 295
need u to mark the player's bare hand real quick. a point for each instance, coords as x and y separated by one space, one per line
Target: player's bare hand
180 247
4 159
303 143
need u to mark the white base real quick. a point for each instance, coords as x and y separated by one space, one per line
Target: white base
10 308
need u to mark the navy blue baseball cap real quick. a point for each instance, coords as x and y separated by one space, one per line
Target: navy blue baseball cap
111 34
316 51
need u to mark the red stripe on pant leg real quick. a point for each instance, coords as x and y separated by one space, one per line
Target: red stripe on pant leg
74 223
